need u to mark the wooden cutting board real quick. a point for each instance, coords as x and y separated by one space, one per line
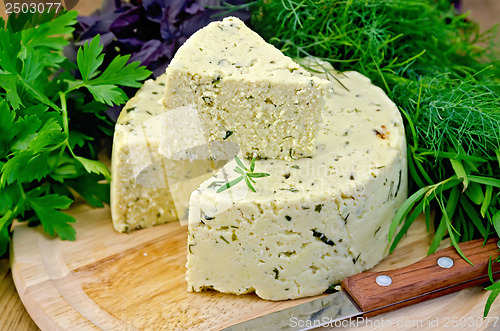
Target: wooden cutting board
111 281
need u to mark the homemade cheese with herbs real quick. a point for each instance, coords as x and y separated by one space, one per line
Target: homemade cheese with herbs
246 91
313 221
337 169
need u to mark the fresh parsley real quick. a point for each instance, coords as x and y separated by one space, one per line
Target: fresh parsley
245 174
52 121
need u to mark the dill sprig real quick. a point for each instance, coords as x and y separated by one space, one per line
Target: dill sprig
444 77
494 288
245 174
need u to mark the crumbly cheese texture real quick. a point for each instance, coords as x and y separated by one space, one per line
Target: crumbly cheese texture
147 187
314 221
246 91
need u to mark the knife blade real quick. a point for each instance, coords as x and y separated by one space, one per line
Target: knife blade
372 293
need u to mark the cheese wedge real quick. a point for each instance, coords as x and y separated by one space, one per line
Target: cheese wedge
152 178
246 91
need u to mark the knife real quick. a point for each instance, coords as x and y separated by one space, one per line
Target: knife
372 293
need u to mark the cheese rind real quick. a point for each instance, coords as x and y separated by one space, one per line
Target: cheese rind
314 221
247 91
137 184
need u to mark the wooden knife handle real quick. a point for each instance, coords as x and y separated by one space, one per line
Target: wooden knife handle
425 279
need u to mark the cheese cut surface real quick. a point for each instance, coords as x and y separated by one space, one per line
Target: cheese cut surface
246 91
314 221
148 187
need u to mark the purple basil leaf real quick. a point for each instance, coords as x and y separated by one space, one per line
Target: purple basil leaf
87 21
174 8
134 24
194 8
151 51
126 20
114 112
198 21
173 15
154 9
130 42
165 30
101 25
160 67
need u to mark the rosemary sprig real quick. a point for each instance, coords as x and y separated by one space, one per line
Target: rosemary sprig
247 174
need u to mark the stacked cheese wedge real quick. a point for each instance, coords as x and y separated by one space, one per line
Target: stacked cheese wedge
332 143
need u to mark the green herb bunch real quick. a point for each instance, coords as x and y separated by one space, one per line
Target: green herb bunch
52 120
444 77
247 174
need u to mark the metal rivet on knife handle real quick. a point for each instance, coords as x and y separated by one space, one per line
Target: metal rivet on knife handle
424 279
498 244
445 262
383 280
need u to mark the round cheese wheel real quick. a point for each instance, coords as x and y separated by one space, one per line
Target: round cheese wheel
313 221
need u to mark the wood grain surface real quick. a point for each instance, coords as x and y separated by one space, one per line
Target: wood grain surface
111 281
13 315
